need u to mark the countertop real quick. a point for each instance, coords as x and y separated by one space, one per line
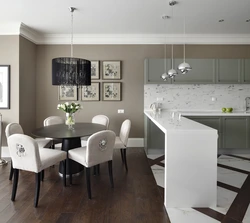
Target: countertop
166 123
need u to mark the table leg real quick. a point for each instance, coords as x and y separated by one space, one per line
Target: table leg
68 144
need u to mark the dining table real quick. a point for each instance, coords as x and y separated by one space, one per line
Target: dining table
71 138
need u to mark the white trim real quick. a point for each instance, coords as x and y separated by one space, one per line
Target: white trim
30 34
135 142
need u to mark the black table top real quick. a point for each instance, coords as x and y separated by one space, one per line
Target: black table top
61 131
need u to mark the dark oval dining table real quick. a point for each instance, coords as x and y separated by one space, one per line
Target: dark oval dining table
71 138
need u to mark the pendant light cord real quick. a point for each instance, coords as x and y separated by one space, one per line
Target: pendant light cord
172 38
165 47
72 18
184 49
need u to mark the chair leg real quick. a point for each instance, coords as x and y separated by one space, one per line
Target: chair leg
11 172
94 171
125 159
69 170
111 173
15 183
64 173
122 155
98 169
42 175
88 181
38 177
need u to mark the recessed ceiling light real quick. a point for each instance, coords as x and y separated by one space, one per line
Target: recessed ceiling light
221 20
248 20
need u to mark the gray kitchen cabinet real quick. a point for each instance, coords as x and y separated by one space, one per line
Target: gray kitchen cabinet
235 132
245 71
228 71
154 68
203 72
211 121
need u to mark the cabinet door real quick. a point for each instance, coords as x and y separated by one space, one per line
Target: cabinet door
154 68
228 71
211 121
246 71
235 132
203 72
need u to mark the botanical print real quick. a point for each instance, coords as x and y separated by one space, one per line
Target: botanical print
90 93
111 70
112 91
67 93
94 69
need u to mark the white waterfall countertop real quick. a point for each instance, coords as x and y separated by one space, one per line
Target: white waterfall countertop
165 122
213 113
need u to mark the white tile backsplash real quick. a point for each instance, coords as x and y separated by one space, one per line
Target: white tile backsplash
197 96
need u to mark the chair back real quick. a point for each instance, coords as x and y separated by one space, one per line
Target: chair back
100 147
124 132
24 152
53 120
13 128
101 119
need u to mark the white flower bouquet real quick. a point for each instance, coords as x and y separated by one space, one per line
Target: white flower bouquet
69 107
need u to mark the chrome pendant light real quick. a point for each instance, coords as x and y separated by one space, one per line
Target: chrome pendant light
184 67
172 72
69 70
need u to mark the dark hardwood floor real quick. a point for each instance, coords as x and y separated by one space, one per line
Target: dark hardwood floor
135 197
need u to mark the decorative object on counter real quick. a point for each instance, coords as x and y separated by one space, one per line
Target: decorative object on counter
66 93
91 93
247 108
2 161
111 91
69 70
4 86
156 106
227 110
95 74
184 67
70 109
111 70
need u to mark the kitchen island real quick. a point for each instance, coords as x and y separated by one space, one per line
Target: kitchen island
190 161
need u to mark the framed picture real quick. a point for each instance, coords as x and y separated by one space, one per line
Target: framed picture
111 70
111 91
4 86
91 93
95 70
67 93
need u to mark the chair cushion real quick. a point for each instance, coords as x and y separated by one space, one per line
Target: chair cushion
50 157
78 155
118 143
42 142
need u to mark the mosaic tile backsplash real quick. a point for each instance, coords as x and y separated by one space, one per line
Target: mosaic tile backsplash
197 97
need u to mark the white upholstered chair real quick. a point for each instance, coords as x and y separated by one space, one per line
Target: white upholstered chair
99 149
15 128
98 119
121 141
26 155
53 120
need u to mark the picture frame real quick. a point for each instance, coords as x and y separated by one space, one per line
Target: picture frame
95 70
67 93
111 91
4 86
91 93
111 70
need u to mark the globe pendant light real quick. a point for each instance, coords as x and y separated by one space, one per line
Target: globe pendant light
184 67
172 72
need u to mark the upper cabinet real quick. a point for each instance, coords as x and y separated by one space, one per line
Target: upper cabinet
154 68
203 72
246 71
228 71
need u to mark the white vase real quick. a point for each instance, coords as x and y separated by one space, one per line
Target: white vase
70 120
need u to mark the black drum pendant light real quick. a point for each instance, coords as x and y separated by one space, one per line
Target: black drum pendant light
69 70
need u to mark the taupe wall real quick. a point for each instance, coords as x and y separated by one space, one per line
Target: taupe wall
9 55
27 73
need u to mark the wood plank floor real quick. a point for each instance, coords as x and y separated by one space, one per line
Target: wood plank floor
135 197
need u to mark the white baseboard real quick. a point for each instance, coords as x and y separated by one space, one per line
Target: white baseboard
136 142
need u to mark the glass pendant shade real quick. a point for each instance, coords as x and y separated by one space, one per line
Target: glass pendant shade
164 76
71 71
184 67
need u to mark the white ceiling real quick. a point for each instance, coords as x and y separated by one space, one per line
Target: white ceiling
127 18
